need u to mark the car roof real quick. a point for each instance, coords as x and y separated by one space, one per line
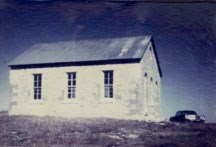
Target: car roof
186 111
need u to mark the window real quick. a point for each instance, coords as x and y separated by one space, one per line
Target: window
150 48
151 92
145 75
108 84
37 86
71 85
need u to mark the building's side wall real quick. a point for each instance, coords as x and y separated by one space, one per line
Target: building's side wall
150 84
90 101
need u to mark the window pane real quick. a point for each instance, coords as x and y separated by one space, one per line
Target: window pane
39 96
106 74
111 81
106 81
73 95
74 82
74 75
35 96
69 76
69 83
39 93
106 92
69 95
73 92
39 84
35 84
110 92
111 74
39 77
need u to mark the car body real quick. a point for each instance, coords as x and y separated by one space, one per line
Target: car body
187 116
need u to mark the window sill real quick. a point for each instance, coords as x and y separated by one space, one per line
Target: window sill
37 102
108 100
70 101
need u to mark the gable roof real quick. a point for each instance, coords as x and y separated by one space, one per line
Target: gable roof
109 49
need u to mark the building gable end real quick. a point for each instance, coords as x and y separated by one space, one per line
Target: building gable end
151 44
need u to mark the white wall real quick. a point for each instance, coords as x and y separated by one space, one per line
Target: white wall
90 101
151 90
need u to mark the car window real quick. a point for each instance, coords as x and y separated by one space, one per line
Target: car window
190 112
179 113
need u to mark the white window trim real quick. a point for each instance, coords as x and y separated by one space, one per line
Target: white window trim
71 98
41 94
113 96
67 100
103 99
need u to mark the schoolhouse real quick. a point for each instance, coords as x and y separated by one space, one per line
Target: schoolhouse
111 77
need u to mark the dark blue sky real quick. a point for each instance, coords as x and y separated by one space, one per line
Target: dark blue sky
184 34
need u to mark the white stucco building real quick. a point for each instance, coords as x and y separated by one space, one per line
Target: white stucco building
117 78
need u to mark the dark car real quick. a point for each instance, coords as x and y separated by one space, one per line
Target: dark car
187 116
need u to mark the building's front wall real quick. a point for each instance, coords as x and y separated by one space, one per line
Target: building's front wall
89 102
150 83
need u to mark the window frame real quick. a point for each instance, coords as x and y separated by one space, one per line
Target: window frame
108 84
37 86
71 85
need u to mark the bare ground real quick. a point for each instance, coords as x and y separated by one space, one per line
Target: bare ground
51 131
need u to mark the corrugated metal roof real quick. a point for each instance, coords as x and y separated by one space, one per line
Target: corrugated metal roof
84 50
